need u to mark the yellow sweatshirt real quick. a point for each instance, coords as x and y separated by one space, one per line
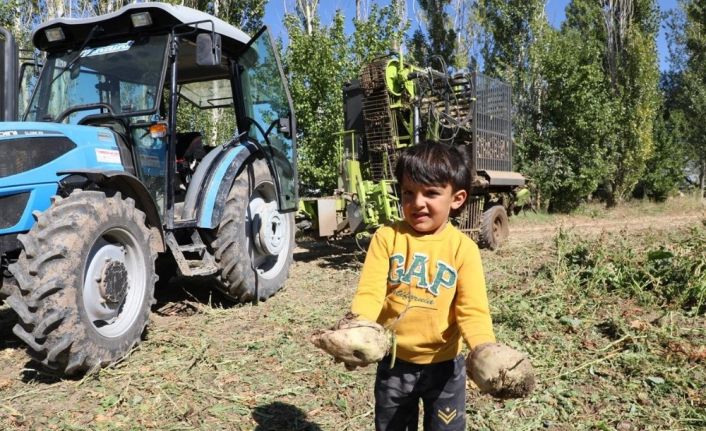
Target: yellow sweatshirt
429 289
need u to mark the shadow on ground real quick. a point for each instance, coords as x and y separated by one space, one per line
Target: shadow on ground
8 319
341 253
279 416
177 295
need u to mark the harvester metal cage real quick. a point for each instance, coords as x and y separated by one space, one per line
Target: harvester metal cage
493 124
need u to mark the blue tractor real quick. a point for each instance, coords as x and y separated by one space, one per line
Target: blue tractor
102 175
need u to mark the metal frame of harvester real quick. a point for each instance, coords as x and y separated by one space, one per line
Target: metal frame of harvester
393 105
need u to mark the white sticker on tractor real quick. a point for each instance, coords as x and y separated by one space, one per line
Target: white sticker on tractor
107 156
102 50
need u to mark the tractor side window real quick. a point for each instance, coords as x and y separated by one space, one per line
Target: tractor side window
269 113
29 75
205 119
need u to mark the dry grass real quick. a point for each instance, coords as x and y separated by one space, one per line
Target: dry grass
629 211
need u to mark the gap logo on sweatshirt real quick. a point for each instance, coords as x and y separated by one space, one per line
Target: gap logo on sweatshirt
400 273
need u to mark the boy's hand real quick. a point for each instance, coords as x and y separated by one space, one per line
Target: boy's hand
500 370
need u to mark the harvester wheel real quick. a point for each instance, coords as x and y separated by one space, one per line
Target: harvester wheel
254 242
494 228
86 281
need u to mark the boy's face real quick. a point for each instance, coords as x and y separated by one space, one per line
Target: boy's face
426 208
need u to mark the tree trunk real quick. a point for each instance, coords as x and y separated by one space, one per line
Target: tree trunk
611 199
55 9
307 13
702 177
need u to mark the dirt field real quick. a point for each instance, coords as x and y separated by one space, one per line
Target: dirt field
604 361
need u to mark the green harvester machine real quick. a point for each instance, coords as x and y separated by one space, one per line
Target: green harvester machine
393 105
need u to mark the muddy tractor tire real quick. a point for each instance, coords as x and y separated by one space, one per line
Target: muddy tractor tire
254 242
85 281
494 227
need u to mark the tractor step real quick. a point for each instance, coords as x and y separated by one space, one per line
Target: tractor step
205 264
192 248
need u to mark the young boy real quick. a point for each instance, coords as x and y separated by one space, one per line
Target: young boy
423 279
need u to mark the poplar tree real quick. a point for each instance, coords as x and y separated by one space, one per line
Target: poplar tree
434 43
694 76
320 59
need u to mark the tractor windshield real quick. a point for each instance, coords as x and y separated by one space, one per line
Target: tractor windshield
121 78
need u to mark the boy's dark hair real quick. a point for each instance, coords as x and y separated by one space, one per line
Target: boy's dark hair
434 164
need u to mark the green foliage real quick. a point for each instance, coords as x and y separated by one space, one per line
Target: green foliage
7 11
319 63
638 94
694 75
440 40
317 68
568 159
686 79
665 169
627 38
382 32
513 43
586 96
418 47
662 274
511 27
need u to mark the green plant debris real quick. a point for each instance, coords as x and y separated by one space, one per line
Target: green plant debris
614 325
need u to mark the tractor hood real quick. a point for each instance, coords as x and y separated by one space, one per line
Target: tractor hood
33 155
36 152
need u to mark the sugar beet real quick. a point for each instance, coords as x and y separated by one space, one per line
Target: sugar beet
354 341
500 371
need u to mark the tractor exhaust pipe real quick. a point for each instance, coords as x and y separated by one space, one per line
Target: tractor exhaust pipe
9 86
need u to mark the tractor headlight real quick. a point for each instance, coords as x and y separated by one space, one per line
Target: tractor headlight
141 19
54 34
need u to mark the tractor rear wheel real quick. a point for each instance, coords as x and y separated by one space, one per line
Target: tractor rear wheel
494 227
254 242
85 281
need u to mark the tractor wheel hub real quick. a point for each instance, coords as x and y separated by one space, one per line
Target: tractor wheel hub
114 282
269 230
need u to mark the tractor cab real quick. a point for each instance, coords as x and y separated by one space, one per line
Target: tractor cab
147 72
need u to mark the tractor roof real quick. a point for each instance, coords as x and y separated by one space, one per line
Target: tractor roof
164 16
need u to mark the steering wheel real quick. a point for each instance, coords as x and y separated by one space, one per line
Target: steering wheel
98 105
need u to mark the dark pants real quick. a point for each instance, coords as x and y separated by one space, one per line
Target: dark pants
441 387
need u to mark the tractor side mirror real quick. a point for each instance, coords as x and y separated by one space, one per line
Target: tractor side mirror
283 127
208 49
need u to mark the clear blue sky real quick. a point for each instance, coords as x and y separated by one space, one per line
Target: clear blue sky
275 9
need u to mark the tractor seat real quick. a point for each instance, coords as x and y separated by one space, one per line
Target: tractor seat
189 147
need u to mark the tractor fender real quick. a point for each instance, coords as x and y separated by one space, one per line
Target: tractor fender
128 185
212 181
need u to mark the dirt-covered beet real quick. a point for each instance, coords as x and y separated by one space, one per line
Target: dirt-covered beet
500 371
354 341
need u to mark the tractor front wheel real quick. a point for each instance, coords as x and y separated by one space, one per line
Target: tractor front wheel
85 281
494 227
254 242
